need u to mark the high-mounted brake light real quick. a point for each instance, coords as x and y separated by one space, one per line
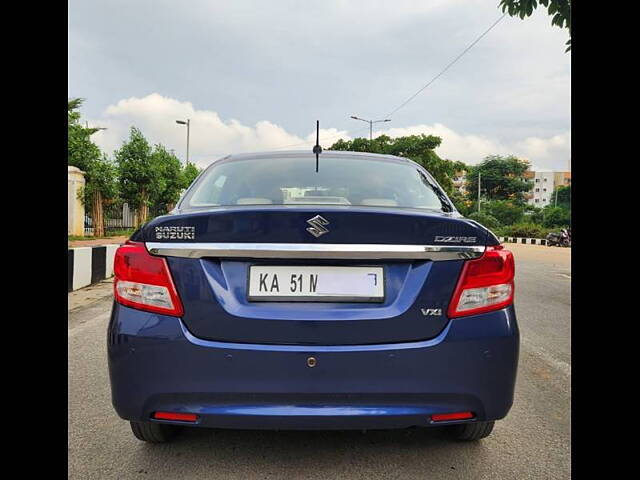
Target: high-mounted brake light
143 281
485 284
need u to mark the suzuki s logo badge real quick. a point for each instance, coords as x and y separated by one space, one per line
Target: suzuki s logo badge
317 226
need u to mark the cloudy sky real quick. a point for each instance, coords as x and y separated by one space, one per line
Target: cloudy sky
255 75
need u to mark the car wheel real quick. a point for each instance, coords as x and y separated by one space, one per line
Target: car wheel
468 432
154 432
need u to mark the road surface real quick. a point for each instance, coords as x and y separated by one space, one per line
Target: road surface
532 442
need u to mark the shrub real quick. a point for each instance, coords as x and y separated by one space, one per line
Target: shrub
507 213
556 217
525 230
485 220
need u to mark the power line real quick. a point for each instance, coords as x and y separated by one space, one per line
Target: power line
447 67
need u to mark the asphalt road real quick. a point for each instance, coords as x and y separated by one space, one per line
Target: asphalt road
533 441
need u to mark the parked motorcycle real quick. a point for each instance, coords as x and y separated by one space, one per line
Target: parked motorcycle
559 239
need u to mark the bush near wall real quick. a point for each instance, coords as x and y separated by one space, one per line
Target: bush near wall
485 220
524 230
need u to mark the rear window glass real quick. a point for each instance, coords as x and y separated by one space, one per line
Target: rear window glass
294 181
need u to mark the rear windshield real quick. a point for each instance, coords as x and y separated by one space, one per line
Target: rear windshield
294 181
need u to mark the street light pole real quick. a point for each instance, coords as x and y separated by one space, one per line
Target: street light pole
188 124
370 122
479 175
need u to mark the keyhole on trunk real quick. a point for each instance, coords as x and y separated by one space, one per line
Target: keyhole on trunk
311 362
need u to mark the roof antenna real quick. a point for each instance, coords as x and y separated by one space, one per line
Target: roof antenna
317 149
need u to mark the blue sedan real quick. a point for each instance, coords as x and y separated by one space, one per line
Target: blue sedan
275 296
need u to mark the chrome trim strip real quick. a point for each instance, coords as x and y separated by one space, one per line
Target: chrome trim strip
315 250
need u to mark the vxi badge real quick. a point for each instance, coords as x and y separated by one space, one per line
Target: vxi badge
442 239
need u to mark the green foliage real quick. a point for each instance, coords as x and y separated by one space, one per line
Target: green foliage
81 151
168 177
485 220
462 203
102 177
505 211
419 148
189 174
564 197
559 9
100 172
501 178
556 216
139 179
525 230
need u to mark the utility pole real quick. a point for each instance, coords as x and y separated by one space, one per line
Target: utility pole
479 175
370 122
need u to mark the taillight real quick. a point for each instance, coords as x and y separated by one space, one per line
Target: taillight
143 281
485 284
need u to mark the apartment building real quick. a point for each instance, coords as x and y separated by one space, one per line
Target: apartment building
544 184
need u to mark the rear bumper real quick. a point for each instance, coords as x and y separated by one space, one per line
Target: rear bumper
155 364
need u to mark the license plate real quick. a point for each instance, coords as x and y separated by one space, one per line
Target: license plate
315 284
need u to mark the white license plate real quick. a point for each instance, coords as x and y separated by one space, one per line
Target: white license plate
316 284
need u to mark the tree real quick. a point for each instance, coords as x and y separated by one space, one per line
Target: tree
462 203
563 195
101 188
81 151
189 174
419 148
560 9
138 174
485 220
100 173
166 189
556 216
502 178
506 212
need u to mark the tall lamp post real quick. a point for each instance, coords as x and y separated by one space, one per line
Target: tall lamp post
370 122
187 123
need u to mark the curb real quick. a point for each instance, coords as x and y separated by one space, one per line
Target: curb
526 241
89 265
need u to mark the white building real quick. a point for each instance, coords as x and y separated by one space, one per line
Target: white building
544 184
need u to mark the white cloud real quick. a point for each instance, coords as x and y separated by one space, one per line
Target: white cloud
551 153
212 137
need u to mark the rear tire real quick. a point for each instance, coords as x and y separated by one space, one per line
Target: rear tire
469 432
154 432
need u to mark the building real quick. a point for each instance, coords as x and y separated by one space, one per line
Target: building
544 184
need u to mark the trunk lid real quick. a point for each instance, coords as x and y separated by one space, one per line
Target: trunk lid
210 252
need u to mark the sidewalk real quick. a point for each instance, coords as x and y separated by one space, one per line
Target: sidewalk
97 241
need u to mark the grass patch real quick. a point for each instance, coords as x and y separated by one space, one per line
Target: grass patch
110 234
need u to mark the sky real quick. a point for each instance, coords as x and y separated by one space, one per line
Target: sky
255 75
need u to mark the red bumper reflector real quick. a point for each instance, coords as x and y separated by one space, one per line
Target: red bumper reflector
182 417
441 417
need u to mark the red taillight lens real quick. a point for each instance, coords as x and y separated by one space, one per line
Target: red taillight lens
181 417
143 281
442 417
485 284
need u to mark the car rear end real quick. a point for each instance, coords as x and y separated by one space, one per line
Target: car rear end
386 311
